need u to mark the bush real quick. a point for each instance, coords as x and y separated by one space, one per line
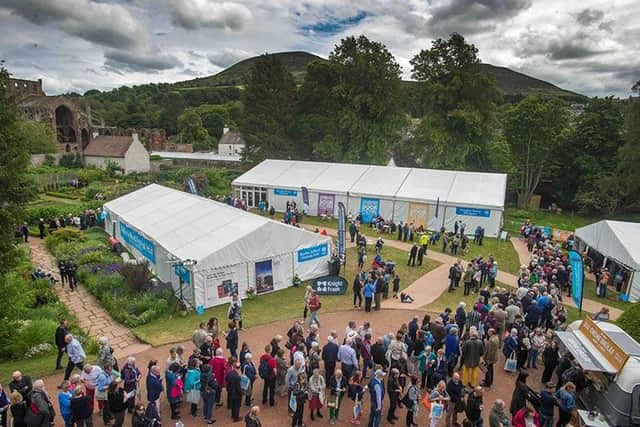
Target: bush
64 235
630 321
91 174
32 215
136 276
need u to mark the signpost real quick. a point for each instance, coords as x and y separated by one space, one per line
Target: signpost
330 285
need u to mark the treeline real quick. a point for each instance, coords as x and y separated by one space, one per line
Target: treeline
353 108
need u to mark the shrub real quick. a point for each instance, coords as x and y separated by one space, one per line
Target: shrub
64 235
630 321
90 258
30 334
61 195
136 276
91 174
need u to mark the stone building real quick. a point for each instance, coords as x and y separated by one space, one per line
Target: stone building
125 151
231 143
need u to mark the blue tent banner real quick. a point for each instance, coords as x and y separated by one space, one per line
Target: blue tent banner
285 192
313 252
138 242
182 273
577 277
484 213
342 233
369 209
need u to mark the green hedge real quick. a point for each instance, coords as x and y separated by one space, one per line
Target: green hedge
62 195
630 321
33 215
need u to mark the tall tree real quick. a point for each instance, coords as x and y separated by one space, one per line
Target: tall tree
14 187
268 101
37 136
534 130
191 131
629 154
350 107
460 105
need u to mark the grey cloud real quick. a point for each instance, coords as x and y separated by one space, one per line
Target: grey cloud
194 14
588 17
146 61
105 24
227 57
561 50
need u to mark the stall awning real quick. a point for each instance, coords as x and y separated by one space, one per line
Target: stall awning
587 356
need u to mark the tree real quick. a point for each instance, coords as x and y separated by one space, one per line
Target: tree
534 130
214 119
191 131
460 106
268 102
37 136
173 107
14 187
629 153
349 108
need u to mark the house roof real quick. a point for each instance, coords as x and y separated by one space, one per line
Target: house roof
109 146
232 138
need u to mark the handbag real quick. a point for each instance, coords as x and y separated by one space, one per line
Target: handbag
293 402
193 396
437 410
332 401
426 402
511 364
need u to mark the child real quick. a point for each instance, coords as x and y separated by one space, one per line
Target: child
356 393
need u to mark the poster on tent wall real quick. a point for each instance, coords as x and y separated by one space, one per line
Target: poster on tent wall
418 214
577 277
264 276
219 284
369 209
326 203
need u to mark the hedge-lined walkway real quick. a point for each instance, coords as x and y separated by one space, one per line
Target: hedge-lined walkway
93 319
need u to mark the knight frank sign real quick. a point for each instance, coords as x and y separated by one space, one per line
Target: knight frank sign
330 285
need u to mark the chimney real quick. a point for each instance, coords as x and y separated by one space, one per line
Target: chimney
225 130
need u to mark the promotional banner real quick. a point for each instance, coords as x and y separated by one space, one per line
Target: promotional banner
313 252
485 213
342 233
182 273
330 285
284 192
138 242
418 214
326 204
191 185
264 276
577 277
305 197
369 209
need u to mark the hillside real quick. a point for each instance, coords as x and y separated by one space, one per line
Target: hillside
510 82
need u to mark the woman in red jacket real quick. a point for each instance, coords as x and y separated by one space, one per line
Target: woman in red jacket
526 417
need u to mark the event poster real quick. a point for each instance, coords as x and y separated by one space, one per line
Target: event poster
264 276
369 209
326 204
227 288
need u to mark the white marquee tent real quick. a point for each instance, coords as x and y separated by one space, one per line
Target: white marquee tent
618 241
396 193
234 249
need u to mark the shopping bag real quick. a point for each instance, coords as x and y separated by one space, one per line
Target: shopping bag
426 402
293 403
437 410
357 409
511 364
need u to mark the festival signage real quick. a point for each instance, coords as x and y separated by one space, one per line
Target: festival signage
191 185
313 252
305 196
285 192
605 345
227 288
330 285
138 242
342 233
326 204
483 213
577 278
264 276
369 209
182 273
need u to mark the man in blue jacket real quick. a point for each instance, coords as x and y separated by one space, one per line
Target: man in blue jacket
376 388
154 387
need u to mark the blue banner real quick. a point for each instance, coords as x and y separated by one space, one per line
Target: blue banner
191 185
484 213
313 252
138 242
182 273
342 233
284 192
577 277
369 209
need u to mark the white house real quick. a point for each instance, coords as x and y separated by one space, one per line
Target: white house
126 151
231 143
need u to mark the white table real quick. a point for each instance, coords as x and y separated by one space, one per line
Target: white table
591 422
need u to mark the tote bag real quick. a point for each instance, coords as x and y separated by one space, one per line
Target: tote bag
437 409
293 403
511 364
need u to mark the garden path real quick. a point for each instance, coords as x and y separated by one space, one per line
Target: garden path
92 318
428 288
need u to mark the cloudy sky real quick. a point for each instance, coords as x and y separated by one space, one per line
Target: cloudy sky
592 47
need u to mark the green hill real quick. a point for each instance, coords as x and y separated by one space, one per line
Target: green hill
512 83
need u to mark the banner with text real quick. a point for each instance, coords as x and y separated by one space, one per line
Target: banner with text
369 209
484 213
285 192
342 233
138 242
313 252
577 277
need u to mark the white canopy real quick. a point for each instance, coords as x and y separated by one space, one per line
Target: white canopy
475 189
617 240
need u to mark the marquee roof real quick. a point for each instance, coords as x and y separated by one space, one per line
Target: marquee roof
616 239
193 227
388 182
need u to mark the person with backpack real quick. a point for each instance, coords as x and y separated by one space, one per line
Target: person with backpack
267 370
40 412
249 370
234 312
209 390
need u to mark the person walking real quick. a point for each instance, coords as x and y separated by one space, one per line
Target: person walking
75 353
235 310
314 308
61 332
376 388
62 270
24 231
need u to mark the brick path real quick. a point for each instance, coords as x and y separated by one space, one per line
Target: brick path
429 287
92 318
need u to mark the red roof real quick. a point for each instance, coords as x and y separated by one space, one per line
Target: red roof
109 146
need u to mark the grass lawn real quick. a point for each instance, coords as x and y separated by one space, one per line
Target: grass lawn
613 300
279 305
36 367
503 252
451 300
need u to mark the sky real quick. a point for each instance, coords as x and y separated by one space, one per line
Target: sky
591 47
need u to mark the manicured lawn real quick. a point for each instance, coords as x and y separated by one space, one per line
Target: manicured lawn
502 251
284 304
318 222
36 367
613 300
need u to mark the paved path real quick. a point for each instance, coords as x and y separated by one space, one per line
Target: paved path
429 287
588 305
92 318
